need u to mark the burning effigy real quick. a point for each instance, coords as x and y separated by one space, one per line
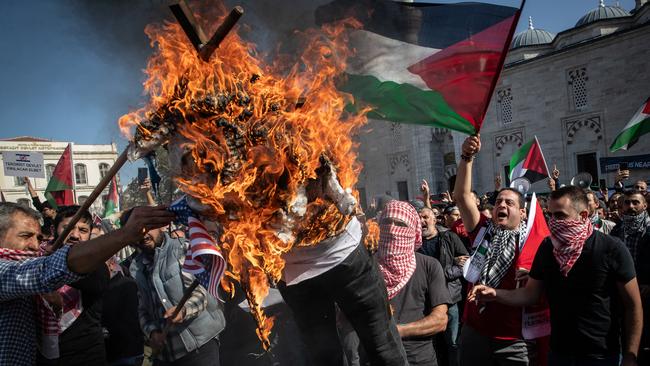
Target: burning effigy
264 149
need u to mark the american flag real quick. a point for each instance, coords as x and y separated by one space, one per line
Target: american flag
203 258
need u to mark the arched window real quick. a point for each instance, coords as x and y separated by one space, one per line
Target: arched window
49 170
80 174
103 169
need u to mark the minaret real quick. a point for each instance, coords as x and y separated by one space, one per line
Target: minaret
530 23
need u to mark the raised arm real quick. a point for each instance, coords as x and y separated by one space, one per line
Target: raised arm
32 192
463 187
431 324
85 258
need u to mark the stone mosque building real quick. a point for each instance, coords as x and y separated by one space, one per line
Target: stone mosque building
574 90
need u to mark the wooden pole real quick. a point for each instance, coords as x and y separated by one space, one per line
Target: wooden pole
92 197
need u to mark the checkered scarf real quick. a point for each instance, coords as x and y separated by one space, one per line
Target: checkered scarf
397 245
50 322
634 227
501 253
568 238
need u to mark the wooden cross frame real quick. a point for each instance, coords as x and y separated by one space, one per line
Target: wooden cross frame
205 48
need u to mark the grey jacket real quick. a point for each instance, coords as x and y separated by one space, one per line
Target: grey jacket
168 283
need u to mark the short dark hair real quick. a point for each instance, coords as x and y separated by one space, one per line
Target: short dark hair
576 195
485 206
7 212
520 197
633 192
68 211
46 204
425 208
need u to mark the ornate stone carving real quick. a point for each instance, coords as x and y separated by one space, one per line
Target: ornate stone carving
397 159
515 137
590 122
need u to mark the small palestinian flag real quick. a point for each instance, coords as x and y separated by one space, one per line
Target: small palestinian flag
529 162
424 63
59 189
638 126
110 207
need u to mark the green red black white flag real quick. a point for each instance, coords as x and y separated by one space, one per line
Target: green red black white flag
638 126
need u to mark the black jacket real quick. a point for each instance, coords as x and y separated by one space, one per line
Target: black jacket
642 253
450 247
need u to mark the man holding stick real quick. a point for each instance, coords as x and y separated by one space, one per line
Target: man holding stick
178 334
24 273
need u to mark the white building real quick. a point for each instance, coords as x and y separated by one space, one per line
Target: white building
574 91
90 163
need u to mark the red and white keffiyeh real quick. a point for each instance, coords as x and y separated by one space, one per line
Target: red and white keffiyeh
568 238
397 245
51 322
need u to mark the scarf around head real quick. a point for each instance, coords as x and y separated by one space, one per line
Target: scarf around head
501 253
397 245
51 322
568 238
634 227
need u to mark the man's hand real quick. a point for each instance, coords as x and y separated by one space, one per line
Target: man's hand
497 182
446 197
472 145
157 340
146 185
556 173
622 175
145 218
605 193
424 187
482 293
179 318
460 261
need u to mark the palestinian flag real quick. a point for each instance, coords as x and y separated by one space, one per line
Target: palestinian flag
424 63
59 188
529 162
110 207
536 231
638 126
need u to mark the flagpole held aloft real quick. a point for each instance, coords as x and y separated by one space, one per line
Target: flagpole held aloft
119 163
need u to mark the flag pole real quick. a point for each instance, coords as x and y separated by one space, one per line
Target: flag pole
74 174
119 163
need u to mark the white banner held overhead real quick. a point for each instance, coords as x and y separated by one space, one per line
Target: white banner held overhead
23 164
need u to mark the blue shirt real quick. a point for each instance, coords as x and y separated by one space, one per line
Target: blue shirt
19 282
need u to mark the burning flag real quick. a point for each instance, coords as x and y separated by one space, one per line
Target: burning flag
638 126
59 188
203 258
529 162
424 63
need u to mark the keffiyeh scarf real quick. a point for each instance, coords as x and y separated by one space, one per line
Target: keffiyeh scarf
634 227
397 245
501 253
568 238
51 322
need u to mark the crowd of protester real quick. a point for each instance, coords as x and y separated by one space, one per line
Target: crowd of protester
449 283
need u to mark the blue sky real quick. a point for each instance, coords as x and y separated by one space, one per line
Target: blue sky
70 68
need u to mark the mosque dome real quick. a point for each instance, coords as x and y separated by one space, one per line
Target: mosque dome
531 36
602 12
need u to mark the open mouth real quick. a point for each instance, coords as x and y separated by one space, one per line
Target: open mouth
502 215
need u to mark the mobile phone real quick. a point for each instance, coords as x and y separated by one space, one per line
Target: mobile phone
143 174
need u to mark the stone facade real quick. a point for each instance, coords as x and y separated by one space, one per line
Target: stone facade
89 162
575 94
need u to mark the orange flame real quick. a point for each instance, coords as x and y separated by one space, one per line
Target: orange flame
252 148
